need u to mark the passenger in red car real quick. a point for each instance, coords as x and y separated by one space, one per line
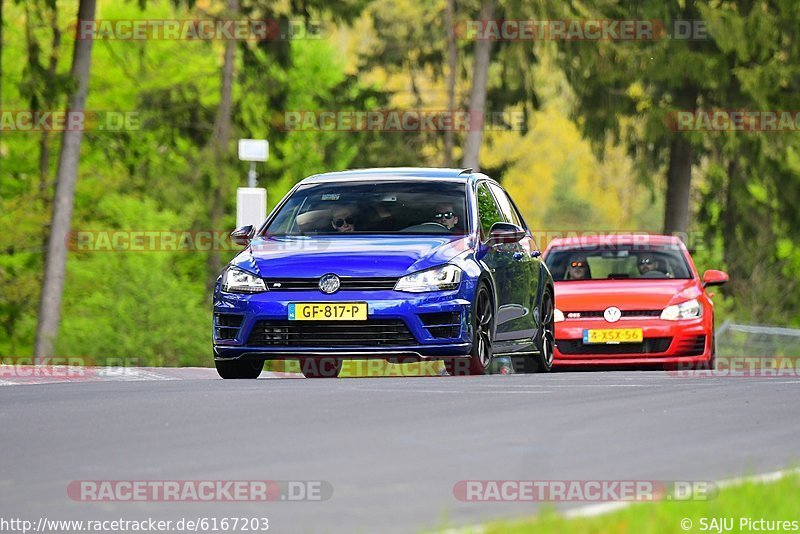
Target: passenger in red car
578 269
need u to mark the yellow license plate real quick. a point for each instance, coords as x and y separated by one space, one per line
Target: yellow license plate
318 311
619 335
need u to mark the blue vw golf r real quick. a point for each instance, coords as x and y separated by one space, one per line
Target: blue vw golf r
401 264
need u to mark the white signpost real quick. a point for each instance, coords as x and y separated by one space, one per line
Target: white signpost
251 201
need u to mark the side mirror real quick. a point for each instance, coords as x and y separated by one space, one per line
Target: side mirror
712 277
243 235
503 232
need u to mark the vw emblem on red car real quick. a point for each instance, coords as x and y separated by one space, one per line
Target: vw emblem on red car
612 314
329 284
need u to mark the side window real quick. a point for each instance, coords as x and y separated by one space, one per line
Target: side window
488 212
507 209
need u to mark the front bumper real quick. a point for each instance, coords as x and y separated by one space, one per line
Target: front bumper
665 342
383 305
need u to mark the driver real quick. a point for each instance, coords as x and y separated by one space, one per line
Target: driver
445 215
343 219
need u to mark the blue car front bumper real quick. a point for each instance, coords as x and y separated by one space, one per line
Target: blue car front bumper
241 320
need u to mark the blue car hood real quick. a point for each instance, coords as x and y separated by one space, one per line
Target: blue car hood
378 256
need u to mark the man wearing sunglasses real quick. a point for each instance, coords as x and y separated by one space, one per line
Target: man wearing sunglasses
647 263
445 215
344 219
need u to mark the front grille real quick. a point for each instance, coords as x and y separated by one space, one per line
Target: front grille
651 345
691 346
226 325
347 284
442 324
370 333
594 314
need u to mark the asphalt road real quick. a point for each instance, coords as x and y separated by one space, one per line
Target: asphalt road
391 448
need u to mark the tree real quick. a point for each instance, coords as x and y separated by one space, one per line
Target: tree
452 66
477 96
56 256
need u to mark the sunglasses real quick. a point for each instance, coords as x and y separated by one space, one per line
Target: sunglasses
338 223
577 264
645 261
445 215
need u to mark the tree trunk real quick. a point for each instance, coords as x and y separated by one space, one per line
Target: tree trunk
56 262
219 143
452 65
50 103
679 181
1 82
477 97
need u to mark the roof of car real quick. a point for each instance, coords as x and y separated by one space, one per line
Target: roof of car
393 173
581 239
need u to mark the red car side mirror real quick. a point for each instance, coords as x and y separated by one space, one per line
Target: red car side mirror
712 277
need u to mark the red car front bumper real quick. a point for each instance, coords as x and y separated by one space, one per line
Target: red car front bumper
665 342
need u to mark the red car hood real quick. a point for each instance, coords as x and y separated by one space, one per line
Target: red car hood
595 295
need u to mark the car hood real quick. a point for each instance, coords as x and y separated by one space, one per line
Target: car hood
373 256
639 294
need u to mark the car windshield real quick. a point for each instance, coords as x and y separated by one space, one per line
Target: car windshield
373 207
617 262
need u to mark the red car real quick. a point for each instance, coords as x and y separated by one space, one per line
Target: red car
630 299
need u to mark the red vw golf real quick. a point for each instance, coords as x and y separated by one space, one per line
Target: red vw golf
630 299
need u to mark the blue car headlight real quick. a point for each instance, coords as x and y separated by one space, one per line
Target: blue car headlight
439 278
238 281
691 309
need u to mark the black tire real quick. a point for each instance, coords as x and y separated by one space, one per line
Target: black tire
239 368
480 358
547 334
320 368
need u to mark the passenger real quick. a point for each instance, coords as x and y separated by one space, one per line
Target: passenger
647 263
577 269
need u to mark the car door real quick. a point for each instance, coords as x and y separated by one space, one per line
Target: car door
525 270
509 264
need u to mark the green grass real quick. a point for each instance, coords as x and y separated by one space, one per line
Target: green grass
778 500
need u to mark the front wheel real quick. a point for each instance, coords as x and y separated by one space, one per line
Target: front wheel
480 358
239 368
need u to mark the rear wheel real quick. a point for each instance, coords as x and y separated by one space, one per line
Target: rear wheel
239 368
547 339
543 361
480 358
320 368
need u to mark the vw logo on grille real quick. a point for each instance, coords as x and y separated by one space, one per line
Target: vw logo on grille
329 284
612 314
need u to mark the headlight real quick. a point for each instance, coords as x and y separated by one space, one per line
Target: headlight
436 279
691 309
558 315
238 281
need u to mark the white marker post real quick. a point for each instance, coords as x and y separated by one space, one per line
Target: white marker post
251 201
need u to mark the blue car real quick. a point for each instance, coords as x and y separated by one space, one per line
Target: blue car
404 265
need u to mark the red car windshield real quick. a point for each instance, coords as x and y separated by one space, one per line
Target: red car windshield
617 262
